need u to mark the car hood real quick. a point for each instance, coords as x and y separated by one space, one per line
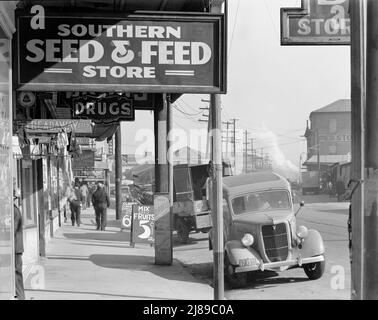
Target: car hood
262 218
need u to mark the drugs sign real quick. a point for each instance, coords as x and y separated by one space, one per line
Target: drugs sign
104 110
143 224
136 53
317 22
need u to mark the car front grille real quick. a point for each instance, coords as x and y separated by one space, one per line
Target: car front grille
275 242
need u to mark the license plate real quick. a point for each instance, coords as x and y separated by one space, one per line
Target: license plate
247 262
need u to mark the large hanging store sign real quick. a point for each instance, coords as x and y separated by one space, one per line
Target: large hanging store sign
317 22
137 53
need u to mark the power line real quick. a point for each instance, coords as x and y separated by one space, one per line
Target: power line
233 29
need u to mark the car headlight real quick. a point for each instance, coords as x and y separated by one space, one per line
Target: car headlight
302 232
247 240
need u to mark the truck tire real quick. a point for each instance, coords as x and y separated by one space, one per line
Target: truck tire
183 229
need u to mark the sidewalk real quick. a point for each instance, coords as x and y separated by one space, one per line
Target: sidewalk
86 264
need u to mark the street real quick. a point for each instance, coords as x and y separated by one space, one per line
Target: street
329 218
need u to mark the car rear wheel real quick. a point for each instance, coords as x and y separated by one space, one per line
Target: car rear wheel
235 280
314 270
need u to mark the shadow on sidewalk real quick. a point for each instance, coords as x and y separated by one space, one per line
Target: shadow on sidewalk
140 263
99 236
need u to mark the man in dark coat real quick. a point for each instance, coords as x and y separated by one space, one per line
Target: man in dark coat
18 248
101 202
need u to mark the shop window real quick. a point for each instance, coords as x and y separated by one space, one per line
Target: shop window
29 193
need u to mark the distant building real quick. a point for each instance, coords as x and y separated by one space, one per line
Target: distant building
329 135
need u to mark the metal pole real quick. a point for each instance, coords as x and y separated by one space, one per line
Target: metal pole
371 156
217 198
217 209
358 103
118 171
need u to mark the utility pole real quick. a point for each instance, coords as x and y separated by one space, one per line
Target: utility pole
358 102
208 128
245 169
228 123
217 181
262 158
234 140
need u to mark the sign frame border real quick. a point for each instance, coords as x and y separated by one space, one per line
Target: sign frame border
142 15
287 40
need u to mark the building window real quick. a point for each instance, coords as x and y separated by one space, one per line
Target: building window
332 125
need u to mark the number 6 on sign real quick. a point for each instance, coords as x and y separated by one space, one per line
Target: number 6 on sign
147 230
126 221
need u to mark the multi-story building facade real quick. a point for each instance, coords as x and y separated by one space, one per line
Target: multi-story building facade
329 135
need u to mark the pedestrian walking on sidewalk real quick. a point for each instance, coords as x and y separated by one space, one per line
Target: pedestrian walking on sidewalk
84 193
18 247
101 202
75 201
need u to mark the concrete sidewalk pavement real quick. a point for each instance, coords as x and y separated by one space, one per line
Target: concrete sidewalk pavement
86 264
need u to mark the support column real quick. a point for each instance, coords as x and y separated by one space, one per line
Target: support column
217 209
163 180
118 171
370 220
217 183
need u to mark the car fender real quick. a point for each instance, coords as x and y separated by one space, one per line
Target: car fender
312 245
236 251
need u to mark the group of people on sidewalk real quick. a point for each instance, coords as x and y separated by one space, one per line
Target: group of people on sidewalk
78 200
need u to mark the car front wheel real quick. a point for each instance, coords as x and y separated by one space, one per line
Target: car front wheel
236 280
314 270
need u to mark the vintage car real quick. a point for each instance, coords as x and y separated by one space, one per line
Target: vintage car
261 232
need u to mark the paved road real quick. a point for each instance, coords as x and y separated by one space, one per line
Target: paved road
329 218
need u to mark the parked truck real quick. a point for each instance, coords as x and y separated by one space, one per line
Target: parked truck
310 182
191 210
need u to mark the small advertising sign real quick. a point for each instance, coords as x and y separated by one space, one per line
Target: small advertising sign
127 211
135 53
85 160
56 126
317 22
143 224
163 230
140 101
104 110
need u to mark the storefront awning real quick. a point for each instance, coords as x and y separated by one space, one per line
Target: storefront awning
327 159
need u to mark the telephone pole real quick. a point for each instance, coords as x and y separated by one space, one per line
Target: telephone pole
228 123
245 151
234 140
252 154
262 158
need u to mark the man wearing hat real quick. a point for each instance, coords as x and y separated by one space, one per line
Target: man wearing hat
101 202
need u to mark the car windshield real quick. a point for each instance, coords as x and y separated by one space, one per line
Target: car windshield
261 201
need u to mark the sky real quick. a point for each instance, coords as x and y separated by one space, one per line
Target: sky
272 89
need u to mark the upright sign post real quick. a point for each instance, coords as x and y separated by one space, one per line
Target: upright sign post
317 22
